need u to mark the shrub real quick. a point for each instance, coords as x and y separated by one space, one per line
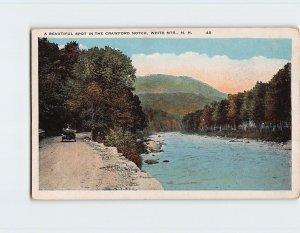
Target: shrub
126 144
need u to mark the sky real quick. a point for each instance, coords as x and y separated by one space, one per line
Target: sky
230 65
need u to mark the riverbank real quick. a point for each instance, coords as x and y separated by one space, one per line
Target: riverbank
155 142
287 145
280 146
116 162
277 136
88 165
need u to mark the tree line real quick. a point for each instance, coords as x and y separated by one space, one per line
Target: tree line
264 108
90 89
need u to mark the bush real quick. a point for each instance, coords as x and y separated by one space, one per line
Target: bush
126 144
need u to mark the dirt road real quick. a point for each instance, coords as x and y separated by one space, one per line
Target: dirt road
86 165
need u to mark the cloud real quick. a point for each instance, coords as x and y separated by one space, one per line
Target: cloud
61 46
81 46
225 74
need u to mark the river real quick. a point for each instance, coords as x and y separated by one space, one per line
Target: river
209 163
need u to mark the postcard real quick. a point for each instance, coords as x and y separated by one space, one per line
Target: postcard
165 113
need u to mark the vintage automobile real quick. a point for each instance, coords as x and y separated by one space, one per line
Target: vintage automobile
68 134
42 134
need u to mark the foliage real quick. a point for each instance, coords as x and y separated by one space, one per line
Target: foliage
265 108
220 112
126 144
277 100
206 120
89 89
191 121
107 78
247 107
234 109
54 68
160 121
258 111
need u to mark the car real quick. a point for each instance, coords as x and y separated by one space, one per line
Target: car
68 135
42 134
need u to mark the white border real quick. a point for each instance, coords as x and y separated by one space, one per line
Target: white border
292 33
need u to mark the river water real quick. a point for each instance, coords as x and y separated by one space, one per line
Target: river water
209 163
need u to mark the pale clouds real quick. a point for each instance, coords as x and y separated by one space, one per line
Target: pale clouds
221 72
81 46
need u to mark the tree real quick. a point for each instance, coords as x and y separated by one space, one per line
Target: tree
234 109
258 108
206 121
266 103
278 98
107 100
53 88
219 114
68 58
247 108
191 122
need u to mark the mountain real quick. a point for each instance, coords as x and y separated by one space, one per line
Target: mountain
160 83
166 98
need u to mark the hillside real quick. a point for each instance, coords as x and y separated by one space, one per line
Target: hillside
167 98
160 83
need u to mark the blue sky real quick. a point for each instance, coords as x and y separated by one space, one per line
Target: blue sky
233 48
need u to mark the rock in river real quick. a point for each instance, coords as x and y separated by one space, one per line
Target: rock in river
152 146
151 161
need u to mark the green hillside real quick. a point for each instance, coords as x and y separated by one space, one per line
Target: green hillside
167 98
160 83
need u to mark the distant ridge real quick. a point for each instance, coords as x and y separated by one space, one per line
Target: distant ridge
161 83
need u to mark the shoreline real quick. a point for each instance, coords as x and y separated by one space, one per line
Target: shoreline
277 145
140 180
